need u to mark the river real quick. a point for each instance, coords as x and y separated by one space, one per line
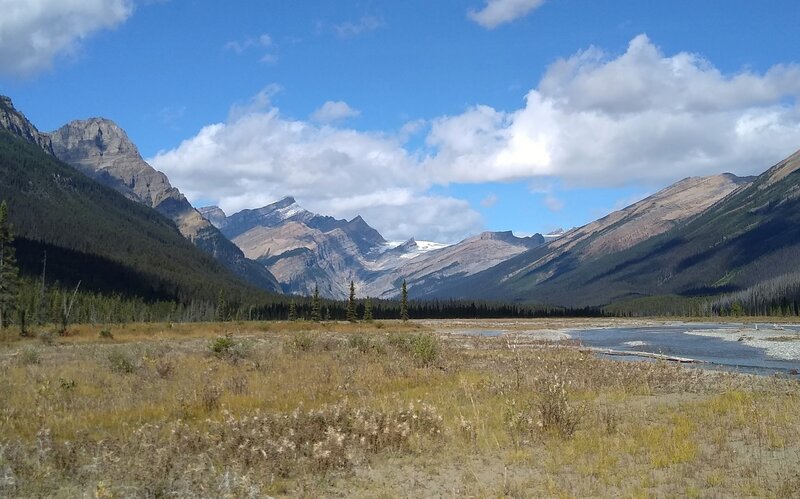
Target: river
763 349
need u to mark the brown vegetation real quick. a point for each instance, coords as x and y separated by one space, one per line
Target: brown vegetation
385 409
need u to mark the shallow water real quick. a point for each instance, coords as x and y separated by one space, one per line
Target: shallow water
675 341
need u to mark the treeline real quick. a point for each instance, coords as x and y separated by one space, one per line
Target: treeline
779 296
440 309
62 306
59 307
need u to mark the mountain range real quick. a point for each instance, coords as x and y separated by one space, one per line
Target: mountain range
77 231
101 150
698 237
305 250
735 233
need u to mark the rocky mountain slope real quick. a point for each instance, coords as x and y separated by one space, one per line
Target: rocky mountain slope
93 235
101 150
743 239
425 273
301 248
17 124
304 250
553 271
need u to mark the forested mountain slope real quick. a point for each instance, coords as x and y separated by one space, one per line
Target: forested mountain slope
93 234
749 234
103 151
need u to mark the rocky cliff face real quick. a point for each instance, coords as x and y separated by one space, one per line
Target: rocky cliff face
102 150
16 123
304 250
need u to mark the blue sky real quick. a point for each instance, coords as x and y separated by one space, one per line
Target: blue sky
433 119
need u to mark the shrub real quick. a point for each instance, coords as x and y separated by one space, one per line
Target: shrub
121 362
302 342
401 342
359 342
209 397
548 413
222 345
555 412
425 349
228 348
106 334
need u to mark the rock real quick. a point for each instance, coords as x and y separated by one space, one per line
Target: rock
102 150
16 123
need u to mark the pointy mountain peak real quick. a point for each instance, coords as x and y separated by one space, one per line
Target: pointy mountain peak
94 137
286 201
283 209
406 246
15 122
214 214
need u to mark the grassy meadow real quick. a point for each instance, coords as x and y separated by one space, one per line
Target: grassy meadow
385 409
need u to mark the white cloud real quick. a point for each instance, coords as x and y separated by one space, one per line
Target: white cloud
641 116
594 119
497 12
333 111
261 43
259 156
351 29
34 32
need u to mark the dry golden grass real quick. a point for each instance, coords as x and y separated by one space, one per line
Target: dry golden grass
378 410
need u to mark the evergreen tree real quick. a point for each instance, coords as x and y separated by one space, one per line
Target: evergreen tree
368 310
404 303
292 312
9 273
221 307
316 316
351 304
327 314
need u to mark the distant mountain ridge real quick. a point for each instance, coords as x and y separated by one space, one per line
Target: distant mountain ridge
737 233
304 250
102 150
700 236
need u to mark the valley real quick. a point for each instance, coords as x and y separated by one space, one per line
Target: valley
412 249
708 237
389 408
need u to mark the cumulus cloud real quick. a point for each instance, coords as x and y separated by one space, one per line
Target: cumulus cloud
594 119
333 111
640 116
258 156
34 32
497 12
